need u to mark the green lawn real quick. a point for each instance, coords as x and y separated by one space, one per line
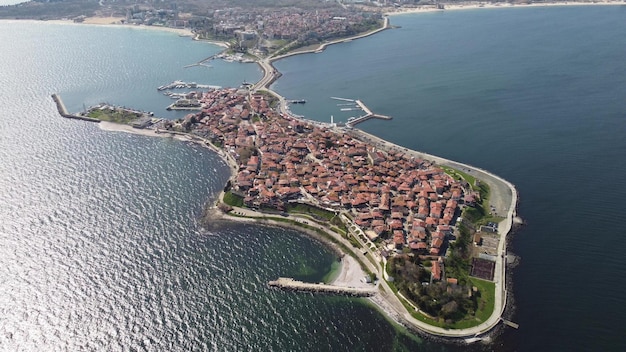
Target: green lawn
487 299
119 116
233 199
308 209
477 215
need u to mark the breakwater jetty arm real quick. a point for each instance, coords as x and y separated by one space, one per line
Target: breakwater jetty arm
391 301
368 115
63 110
360 106
289 284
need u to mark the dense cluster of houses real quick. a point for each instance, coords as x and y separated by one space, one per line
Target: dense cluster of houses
409 201
288 23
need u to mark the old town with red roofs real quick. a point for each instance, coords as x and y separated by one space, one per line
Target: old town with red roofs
282 159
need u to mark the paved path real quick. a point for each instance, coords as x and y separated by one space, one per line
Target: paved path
502 193
504 199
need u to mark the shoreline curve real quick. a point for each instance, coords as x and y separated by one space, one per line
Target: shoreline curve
503 190
391 304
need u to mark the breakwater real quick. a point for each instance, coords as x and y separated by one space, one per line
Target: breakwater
289 284
359 105
63 110
394 302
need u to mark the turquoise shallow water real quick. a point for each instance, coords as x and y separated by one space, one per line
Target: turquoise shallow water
100 248
99 243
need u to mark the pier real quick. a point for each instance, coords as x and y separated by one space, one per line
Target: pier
360 106
342 99
63 110
510 323
289 284
203 62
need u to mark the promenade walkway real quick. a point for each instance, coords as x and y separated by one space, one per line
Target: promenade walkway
504 199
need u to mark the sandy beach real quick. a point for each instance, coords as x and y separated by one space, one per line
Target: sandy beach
350 274
117 127
115 22
486 5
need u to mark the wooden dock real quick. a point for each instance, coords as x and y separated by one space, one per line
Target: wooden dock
289 284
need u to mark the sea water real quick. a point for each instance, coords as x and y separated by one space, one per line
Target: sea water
100 247
535 95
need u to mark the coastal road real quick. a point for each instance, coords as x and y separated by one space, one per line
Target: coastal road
386 299
269 74
501 193
503 197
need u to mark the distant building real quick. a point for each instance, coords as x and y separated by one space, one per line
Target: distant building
246 35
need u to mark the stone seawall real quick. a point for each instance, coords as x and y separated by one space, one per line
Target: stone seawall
289 284
63 111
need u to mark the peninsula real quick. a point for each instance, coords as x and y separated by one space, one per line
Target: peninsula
428 233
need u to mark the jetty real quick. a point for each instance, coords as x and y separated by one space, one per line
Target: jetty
290 284
360 106
63 110
203 62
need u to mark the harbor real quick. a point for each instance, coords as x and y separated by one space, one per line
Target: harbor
185 85
106 112
356 104
290 284
63 110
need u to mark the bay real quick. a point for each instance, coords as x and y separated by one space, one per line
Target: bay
100 246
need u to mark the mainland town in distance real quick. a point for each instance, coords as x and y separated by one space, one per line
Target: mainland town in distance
429 234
